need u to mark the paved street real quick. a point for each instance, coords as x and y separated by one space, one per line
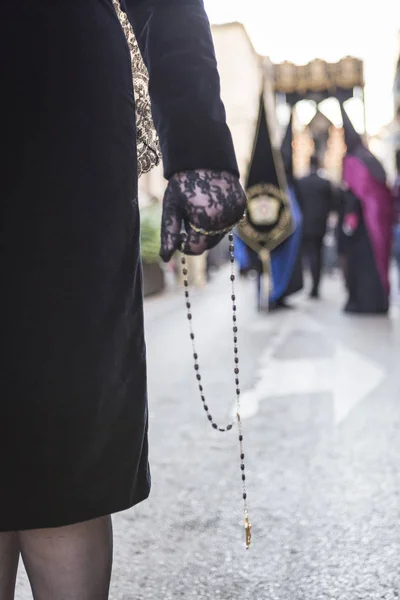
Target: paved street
321 408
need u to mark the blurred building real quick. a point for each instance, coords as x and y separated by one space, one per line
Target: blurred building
319 137
310 85
241 70
385 144
335 152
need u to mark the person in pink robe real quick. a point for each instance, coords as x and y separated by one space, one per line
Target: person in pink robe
367 225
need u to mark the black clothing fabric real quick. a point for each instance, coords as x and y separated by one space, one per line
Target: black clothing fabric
73 405
312 257
316 198
341 237
176 43
266 165
296 281
364 286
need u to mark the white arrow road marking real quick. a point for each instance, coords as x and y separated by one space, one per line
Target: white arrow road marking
347 375
354 378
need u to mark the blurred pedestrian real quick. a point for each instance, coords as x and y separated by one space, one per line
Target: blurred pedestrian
73 399
367 226
317 202
330 249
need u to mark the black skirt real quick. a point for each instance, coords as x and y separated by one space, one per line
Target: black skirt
73 406
365 289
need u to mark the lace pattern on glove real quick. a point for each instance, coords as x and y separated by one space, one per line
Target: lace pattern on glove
207 203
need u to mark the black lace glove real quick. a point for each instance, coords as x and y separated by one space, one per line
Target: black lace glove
200 201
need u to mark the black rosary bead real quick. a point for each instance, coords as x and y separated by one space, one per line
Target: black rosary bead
236 362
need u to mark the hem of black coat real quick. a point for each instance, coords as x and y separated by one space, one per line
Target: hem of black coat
79 517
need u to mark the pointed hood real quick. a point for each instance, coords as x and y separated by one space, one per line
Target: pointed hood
287 148
268 221
351 137
356 147
266 165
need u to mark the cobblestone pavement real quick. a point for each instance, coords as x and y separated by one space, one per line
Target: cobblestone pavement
321 417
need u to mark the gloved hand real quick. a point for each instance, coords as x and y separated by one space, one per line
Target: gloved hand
200 201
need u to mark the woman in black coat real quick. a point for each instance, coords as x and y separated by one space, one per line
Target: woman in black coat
73 406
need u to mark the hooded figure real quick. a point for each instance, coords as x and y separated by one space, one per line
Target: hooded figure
268 240
367 226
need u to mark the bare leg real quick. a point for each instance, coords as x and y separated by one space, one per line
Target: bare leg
69 563
9 556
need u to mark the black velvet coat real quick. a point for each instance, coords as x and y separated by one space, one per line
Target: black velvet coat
73 405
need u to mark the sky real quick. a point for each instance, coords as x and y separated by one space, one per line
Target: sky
300 30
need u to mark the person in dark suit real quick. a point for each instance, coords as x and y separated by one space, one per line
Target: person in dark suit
317 199
73 394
